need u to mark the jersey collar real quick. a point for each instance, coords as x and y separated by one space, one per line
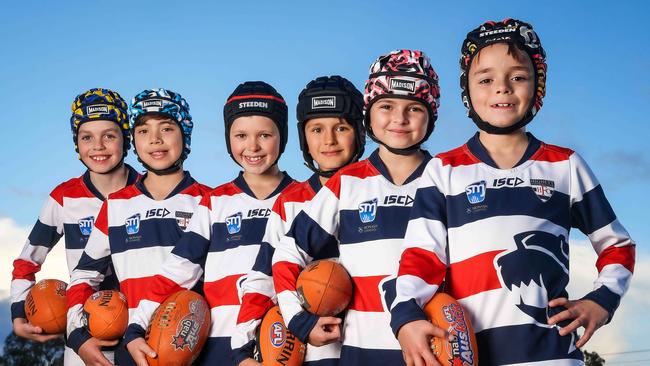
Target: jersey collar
379 164
477 149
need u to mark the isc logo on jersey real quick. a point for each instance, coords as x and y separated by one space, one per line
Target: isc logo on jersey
368 210
157 212
396 200
133 224
475 192
233 223
259 212
507 182
86 225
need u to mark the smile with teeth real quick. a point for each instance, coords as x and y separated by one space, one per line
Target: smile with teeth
100 157
253 159
502 105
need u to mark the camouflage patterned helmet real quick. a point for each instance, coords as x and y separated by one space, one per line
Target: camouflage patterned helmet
168 103
100 104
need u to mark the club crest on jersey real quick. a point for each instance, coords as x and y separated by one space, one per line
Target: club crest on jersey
96 109
233 223
368 210
543 188
402 85
475 192
323 102
133 224
278 334
86 225
183 219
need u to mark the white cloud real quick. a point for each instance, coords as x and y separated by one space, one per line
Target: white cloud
627 329
12 240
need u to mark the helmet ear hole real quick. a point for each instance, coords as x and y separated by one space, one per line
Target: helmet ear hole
330 96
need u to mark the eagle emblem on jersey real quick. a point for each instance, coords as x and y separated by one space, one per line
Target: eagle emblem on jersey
475 192
543 188
368 210
132 224
536 271
233 223
86 225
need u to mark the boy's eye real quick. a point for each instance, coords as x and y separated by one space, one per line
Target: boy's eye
342 128
519 78
110 136
266 135
385 106
316 130
85 138
416 108
240 136
141 131
484 81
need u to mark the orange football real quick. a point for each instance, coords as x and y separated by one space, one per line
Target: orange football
277 345
324 288
46 306
106 314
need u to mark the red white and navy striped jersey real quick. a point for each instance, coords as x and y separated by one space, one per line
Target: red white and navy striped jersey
221 245
135 233
70 210
498 238
360 217
259 293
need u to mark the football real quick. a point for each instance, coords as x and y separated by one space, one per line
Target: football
46 306
106 314
276 344
178 329
324 288
445 312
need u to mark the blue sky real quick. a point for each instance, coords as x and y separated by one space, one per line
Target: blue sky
597 91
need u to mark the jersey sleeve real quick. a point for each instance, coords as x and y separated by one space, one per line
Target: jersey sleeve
44 235
592 214
258 292
86 278
312 235
182 270
423 262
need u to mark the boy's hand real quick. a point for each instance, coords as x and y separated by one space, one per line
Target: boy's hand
139 350
91 352
249 362
415 340
327 330
24 329
585 313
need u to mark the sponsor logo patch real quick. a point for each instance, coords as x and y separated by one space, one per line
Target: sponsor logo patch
86 225
368 210
152 103
323 102
96 109
133 224
475 192
233 223
402 85
254 104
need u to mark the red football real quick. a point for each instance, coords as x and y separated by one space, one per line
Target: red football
46 306
277 345
106 314
324 288
445 312
178 329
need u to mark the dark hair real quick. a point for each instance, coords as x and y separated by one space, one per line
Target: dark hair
514 49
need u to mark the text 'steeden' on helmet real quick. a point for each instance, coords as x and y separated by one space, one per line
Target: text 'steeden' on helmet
405 74
168 103
331 96
514 32
256 98
100 104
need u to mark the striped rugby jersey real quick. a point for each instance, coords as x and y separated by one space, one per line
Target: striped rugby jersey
221 245
259 293
135 233
359 216
499 240
70 210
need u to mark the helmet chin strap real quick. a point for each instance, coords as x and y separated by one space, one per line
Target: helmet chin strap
494 130
172 169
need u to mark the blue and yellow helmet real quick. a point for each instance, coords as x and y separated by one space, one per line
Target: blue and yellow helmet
100 104
166 102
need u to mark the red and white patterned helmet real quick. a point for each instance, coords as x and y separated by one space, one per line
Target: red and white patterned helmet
405 74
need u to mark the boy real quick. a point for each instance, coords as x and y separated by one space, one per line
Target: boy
100 131
492 219
142 221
